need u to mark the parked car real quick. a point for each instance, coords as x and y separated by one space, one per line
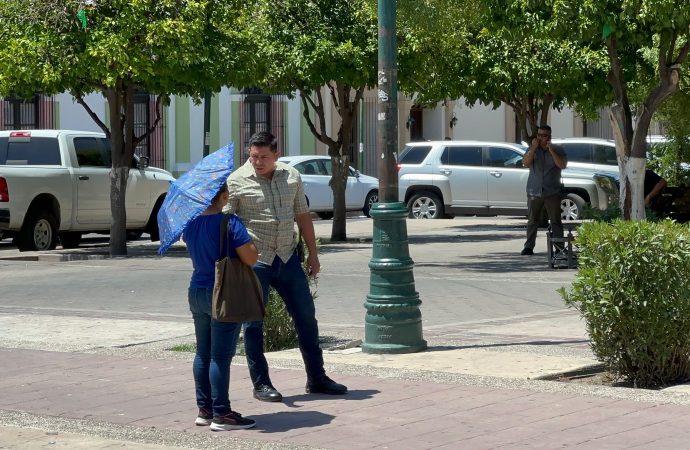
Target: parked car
443 178
592 154
56 184
361 193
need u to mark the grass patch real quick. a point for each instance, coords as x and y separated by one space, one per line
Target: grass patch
189 347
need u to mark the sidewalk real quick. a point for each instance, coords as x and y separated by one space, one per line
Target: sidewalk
79 382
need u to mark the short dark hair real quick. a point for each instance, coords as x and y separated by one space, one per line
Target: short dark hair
545 128
223 189
263 139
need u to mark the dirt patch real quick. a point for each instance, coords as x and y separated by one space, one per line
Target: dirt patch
600 377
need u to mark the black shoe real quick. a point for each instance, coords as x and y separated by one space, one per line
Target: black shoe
325 386
267 393
527 251
231 421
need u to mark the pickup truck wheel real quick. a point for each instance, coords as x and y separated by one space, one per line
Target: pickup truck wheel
70 239
571 207
134 235
425 205
325 215
39 232
152 225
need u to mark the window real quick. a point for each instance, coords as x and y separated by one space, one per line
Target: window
605 154
414 155
37 151
89 152
462 156
578 152
503 157
310 168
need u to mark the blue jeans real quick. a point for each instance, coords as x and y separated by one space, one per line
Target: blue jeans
215 346
289 280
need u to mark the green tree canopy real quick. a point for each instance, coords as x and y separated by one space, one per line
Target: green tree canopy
118 47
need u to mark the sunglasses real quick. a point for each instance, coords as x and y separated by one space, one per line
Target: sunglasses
543 135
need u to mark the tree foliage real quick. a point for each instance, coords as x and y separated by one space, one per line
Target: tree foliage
629 31
489 54
117 48
320 49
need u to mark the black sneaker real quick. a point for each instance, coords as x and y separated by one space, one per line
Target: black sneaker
527 251
203 419
231 421
325 386
267 393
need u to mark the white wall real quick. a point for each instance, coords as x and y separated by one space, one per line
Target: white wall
562 123
479 123
73 116
434 123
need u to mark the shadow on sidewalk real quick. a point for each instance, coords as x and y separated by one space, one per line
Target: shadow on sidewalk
444 348
496 263
359 394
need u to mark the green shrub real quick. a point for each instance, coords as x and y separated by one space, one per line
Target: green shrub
632 290
279 330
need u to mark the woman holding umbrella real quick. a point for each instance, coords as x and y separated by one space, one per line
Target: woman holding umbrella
193 207
215 341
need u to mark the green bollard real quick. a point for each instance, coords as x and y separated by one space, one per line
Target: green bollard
393 322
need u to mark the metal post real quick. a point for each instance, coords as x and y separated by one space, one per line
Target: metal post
393 321
207 122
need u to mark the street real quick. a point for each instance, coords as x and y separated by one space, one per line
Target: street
467 270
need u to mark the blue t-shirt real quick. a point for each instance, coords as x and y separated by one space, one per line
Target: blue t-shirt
202 237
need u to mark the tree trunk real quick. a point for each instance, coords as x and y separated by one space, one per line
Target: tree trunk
338 185
631 144
121 108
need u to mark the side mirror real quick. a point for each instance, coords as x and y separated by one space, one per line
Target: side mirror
357 173
143 162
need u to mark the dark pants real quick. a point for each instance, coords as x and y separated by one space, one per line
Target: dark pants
215 347
535 205
289 280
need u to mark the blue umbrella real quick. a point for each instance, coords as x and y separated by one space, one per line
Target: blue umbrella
192 193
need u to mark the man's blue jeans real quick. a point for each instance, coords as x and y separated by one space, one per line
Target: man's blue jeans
215 346
289 280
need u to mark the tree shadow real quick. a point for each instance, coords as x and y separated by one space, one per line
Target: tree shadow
497 263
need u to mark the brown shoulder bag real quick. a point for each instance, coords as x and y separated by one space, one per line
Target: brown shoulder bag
237 294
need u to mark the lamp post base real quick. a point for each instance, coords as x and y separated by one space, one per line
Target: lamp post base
393 322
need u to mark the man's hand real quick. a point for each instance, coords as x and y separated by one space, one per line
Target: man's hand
313 265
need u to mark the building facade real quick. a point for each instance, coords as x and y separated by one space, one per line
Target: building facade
178 140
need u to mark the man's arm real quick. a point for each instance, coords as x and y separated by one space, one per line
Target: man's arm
559 158
658 187
306 227
528 159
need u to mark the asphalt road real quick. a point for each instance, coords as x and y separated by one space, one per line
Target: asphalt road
467 270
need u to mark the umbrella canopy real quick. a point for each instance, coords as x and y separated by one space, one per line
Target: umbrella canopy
192 193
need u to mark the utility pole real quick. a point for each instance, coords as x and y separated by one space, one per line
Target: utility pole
393 321
207 122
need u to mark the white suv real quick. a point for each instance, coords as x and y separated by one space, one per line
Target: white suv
440 179
592 154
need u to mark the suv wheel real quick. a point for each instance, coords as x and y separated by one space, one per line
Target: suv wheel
571 207
425 205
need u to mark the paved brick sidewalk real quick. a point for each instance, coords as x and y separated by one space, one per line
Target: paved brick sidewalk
377 413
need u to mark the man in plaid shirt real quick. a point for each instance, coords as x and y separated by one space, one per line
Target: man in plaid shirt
269 197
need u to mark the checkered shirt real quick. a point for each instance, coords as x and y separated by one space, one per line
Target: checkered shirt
268 208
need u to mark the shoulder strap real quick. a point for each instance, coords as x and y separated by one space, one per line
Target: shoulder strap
223 233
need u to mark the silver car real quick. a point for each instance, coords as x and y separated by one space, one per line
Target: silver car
361 193
440 179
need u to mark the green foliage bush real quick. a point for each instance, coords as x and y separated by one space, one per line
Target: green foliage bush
279 330
632 290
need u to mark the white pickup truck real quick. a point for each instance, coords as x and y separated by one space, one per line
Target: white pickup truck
55 184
